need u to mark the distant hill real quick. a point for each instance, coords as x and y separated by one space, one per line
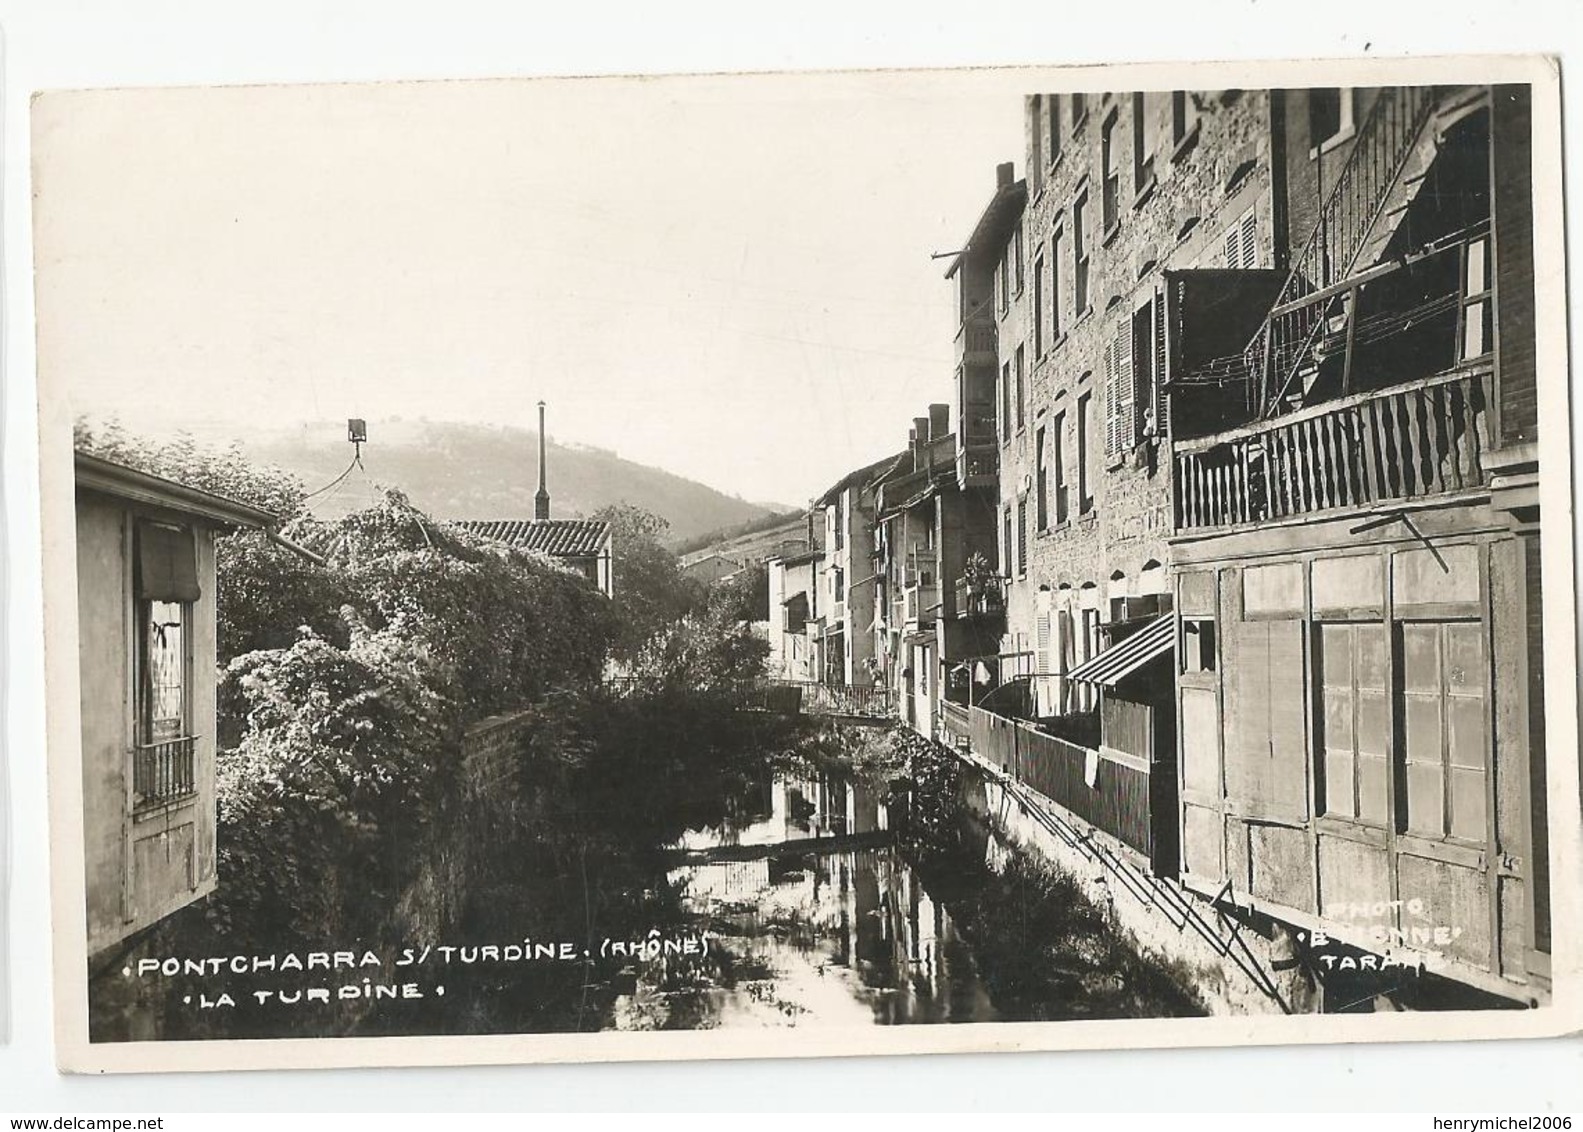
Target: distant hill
788 535
468 471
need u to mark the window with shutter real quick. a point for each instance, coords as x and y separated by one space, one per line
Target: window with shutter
1128 409
1022 536
1112 402
1161 401
1250 242
1234 246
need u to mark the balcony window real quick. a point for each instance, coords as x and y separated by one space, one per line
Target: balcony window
165 588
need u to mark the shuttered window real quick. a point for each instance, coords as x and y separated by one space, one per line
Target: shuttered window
1242 242
1022 536
1121 406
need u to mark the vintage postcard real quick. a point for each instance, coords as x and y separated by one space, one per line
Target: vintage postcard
807 564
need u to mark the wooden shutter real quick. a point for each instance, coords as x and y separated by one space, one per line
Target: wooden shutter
1124 382
1266 752
1160 399
1234 246
1112 402
1250 243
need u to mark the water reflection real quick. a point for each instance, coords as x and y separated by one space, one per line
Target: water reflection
816 919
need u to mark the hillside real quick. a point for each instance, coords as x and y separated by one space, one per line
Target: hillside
788 536
468 471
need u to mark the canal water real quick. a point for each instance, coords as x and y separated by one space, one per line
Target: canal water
815 918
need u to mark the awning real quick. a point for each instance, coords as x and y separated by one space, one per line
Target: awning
1121 660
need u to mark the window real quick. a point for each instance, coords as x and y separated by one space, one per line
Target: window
1353 719
838 583
1005 402
1036 133
1148 353
165 586
1022 537
1184 117
1038 307
1330 118
1241 242
1004 277
836 520
1110 195
1440 690
1121 404
1041 507
1007 555
1058 464
1085 412
1477 329
1079 110
1016 251
1080 253
1198 645
1019 370
1055 287
1053 120
1143 143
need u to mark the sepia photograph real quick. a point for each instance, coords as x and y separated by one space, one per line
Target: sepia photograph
717 566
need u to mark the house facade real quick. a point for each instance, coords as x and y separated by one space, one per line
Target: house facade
1356 551
842 622
146 599
794 605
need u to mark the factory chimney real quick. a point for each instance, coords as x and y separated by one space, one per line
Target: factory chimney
541 500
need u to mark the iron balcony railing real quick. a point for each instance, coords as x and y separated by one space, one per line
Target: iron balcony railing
980 597
813 698
164 771
1351 211
1406 442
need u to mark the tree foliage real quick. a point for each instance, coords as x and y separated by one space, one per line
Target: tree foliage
651 592
220 471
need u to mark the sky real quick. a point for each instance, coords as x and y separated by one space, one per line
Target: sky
726 277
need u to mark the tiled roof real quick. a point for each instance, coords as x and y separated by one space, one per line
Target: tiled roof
564 538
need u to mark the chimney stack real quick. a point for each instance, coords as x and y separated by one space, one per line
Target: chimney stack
939 421
541 501
1005 174
919 437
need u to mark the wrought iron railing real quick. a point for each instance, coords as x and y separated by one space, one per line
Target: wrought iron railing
814 698
164 771
980 597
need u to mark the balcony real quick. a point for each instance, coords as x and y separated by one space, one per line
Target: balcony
978 465
163 772
976 340
1406 442
981 598
920 604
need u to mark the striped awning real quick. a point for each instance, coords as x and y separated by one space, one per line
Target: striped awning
1109 668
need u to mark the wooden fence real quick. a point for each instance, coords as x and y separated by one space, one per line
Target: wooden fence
1109 791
